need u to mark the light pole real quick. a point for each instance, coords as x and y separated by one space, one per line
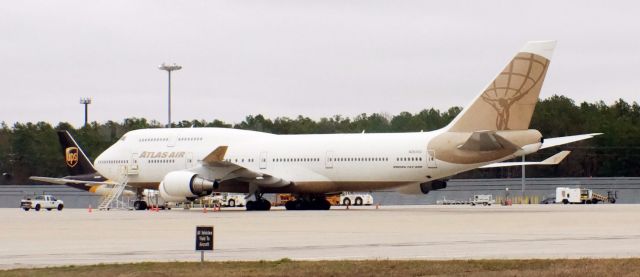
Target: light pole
86 101
523 178
169 68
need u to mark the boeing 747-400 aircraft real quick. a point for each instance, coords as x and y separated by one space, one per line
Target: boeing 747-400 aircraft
185 164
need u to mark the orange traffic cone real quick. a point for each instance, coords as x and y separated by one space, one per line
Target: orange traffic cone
204 211
89 207
377 205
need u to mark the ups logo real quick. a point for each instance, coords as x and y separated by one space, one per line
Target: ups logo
71 156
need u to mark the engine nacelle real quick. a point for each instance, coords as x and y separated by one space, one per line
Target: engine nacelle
178 186
423 188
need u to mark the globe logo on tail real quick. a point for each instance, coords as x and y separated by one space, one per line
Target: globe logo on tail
524 72
71 156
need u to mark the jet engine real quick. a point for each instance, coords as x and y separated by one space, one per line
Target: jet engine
423 188
180 186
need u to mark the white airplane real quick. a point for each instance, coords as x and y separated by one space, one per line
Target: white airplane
185 164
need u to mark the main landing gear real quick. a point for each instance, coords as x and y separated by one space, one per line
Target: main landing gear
140 205
308 202
260 204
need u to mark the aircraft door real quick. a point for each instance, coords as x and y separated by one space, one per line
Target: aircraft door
263 160
431 159
188 160
133 168
328 162
172 141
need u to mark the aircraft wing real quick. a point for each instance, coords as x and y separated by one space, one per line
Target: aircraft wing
64 181
234 172
553 160
551 142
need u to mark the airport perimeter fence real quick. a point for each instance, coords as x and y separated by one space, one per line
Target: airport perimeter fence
536 190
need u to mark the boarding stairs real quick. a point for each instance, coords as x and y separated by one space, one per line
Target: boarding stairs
113 199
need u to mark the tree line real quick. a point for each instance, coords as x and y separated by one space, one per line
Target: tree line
28 149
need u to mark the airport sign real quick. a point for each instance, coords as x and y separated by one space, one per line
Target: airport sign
204 238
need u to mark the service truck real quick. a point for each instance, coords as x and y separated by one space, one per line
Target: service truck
482 199
566 195
41 202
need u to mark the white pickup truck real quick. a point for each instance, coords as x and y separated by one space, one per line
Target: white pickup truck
41 202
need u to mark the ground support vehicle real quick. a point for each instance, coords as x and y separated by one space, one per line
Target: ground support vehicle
446 201
483 199
583 196
357 199
231 199
334 199
41 202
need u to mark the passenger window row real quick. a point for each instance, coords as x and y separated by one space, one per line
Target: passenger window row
152 139
242 160
353 159
285 160
190 139
409 159
162 161
113 162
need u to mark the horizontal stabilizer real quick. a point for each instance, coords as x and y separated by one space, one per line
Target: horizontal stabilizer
64 181
553 160
551 142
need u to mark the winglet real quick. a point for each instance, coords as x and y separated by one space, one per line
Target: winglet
216 156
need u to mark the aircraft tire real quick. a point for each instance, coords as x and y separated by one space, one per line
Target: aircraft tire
265 205
358 201
324 205
290 205
251 205
140 205
346 202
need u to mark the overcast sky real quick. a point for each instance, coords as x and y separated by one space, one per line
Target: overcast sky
285 58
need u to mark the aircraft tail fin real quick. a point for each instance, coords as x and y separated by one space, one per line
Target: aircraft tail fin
75 159
509 100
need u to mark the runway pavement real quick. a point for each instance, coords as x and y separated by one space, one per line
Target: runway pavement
75 236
